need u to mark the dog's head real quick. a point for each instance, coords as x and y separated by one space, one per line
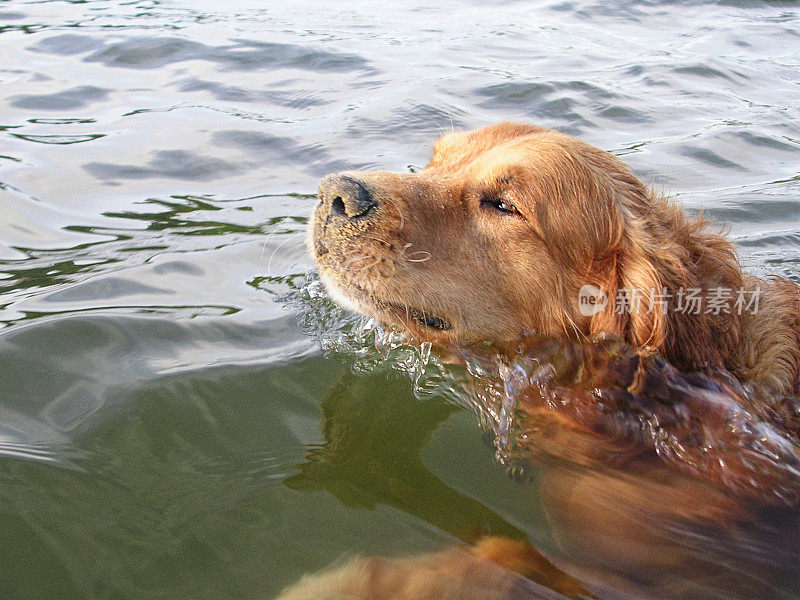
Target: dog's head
498 236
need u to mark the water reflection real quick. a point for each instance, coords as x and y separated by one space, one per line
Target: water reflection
357 465
602 434
159 160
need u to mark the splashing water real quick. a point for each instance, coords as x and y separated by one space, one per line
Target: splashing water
706 425
374 348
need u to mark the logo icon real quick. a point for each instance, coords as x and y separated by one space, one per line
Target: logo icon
591 300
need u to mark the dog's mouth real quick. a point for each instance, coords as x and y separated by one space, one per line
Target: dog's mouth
428 320
406 315
361 300
357 297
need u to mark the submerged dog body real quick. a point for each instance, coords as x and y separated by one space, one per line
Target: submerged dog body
497 240
506 226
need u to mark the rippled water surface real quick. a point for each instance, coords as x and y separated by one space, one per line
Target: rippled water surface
168 427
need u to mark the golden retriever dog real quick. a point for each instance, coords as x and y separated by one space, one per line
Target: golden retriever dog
514 230
499 233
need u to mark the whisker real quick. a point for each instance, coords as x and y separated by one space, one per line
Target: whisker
266 241
271 256
400 212
426 255
369 266
354 259
348 264
418 260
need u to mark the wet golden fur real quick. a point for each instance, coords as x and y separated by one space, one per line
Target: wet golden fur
435 253
434 246
495 569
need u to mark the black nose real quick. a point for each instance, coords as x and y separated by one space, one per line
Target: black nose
344 196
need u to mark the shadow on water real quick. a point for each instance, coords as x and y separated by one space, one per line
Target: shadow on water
372 454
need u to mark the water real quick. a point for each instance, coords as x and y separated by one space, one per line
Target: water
168 427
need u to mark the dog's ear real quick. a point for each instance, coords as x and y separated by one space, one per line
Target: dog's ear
631 280
642 286
625 268
659 255
633 311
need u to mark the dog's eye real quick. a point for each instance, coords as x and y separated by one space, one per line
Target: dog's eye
498 204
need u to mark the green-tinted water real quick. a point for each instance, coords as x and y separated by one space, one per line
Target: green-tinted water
169 427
